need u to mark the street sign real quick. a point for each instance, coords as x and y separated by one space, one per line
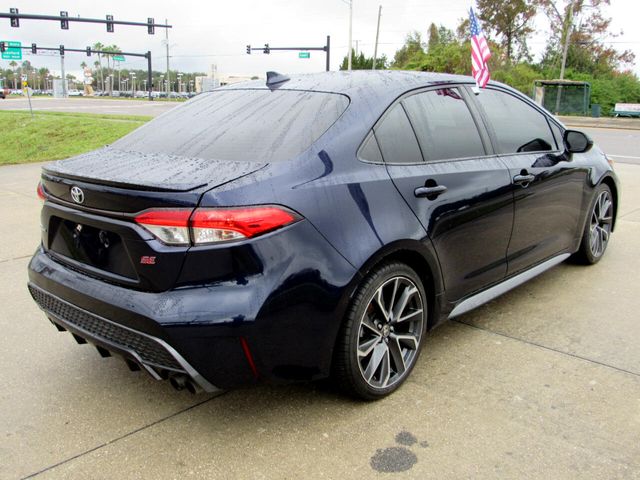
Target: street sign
304 55
13 51
118 58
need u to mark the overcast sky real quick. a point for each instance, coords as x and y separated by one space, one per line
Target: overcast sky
217 32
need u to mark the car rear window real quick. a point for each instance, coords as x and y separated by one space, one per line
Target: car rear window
240 125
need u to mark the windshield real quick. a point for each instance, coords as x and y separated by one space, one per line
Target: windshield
240 125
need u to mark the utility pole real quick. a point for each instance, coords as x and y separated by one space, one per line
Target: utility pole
166 39
350 34
565 48
268 49
64 77
375 49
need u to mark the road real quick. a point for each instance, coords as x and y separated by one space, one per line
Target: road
543 382
622 144
90 105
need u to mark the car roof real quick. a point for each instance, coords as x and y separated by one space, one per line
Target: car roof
359 84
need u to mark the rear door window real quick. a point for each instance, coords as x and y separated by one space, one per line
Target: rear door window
240 125
396 139
444 125
518 127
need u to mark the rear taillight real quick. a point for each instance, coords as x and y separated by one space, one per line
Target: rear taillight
169 226
40 190
212 225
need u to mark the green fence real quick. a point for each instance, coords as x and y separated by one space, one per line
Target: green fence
563 97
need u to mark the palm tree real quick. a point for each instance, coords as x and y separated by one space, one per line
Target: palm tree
13 64
98 46
42 73
112 49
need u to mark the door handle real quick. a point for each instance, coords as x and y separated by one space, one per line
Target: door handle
430 192
524 179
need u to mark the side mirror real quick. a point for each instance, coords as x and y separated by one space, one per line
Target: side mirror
577 142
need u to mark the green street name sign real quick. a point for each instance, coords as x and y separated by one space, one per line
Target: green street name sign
13 51
118 58
304 55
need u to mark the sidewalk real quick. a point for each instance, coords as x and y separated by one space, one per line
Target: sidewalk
602 122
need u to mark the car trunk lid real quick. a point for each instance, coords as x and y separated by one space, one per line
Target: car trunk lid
94 231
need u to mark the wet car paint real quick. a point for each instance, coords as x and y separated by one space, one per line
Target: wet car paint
286 292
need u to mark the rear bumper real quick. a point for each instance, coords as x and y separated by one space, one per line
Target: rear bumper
277 326
155 356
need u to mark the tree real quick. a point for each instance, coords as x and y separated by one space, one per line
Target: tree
434 38
511 21
584 26
112 50
99 46
413 49
43 73
13 64
360 62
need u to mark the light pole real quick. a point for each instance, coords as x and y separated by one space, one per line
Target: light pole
350 34
568 25
179 83
133 83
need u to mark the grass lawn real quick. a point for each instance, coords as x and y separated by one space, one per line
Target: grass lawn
54 135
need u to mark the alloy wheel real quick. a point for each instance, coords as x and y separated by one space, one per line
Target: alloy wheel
390 332
601 219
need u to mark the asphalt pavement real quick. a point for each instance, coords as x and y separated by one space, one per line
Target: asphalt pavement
111 106
543 382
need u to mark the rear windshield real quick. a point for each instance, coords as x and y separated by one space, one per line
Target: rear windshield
240 125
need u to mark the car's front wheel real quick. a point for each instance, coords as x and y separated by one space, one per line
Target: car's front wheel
597 232
383 332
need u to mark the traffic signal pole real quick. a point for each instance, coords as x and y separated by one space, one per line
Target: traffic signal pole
65 19
267 50
62 50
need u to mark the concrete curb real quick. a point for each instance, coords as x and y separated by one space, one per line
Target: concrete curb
609 122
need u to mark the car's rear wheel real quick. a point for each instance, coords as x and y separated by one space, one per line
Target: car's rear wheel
597 231
383 332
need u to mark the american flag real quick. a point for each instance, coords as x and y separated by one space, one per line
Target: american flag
480 53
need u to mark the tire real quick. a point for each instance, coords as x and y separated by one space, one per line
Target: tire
376 350
597 230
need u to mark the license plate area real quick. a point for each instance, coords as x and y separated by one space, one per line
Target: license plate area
91 246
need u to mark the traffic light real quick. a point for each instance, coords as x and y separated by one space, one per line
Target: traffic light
266 49
151 29
88 51
248 49
62 50
2 47
110 23
64 23
15 21
34 48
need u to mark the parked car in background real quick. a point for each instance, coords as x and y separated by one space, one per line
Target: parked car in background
312 226
4 92
72 92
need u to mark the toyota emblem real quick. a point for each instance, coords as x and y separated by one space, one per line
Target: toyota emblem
77 194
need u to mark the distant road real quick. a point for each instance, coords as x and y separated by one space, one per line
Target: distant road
623 145
90 105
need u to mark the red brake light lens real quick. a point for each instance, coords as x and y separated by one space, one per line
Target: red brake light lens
40 190
212 225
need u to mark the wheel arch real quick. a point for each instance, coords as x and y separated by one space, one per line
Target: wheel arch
611 183
418 256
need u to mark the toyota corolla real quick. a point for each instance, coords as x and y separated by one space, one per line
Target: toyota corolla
312 226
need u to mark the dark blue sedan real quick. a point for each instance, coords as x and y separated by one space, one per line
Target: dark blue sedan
312 226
